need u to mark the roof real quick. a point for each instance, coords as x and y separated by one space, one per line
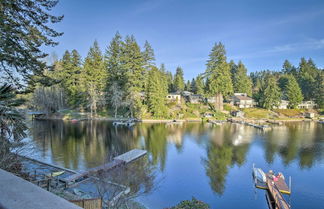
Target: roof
243 98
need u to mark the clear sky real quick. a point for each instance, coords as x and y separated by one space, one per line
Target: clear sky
261 33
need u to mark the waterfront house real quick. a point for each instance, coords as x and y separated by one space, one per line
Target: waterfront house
283 104
174 97
307 105
195 98
242 100
210 99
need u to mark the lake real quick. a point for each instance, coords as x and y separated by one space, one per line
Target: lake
210 163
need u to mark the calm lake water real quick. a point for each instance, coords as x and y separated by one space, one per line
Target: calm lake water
212 164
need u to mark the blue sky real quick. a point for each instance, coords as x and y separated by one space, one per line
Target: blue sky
260 33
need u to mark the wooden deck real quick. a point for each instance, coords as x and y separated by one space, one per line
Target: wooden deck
120 160
131 155
281 185
280 202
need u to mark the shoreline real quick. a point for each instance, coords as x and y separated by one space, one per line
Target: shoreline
189 120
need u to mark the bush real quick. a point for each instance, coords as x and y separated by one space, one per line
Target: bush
190 204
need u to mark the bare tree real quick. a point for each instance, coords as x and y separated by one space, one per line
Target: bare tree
49 99
120 186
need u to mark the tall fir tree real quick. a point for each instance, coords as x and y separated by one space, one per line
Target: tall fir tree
241 82
270 96
179 84
133 64
200 85
193 87
319 89
307 72
218 72
113 63
294 94
156 93
95 76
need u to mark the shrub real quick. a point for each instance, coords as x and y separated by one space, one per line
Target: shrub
189 204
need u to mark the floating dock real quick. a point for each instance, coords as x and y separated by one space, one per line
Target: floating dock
131 155
278 202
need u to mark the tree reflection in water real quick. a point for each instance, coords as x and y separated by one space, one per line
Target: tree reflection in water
88 144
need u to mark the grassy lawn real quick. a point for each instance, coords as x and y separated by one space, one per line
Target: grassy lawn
290 112
257 113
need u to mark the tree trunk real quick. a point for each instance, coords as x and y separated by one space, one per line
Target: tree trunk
219 102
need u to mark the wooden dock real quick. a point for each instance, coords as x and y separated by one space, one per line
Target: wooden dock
278 201
120 160
131 155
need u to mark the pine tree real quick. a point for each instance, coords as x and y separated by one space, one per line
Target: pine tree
156 93
241 82
95 76
179 84
218 72
319 89
25 28
199 85
133 65
188 86
193 87
288 68
148 55
307 72
294 94
270 93
113 63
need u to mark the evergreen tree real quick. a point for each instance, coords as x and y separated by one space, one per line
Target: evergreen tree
218 72
95 76
288 68
199 85
148 54
193 87
241 82
168 76
179 84
319 89
113 63
133 65
294 94
156 93
188 86
270 93
25 28
307 72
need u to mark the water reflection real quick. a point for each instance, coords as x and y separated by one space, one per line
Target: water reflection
220 148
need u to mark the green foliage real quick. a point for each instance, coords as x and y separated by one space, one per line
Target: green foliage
270 94
256 113
157 90
12 127
179 84
241 82
94 75
294 94
307 73
25 28
190 204
218 72
199 85
319 89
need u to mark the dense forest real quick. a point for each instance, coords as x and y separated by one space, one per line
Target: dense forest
124 80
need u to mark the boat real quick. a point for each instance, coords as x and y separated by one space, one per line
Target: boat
260 178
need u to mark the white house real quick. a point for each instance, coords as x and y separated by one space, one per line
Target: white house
307 105
174 97
242 100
